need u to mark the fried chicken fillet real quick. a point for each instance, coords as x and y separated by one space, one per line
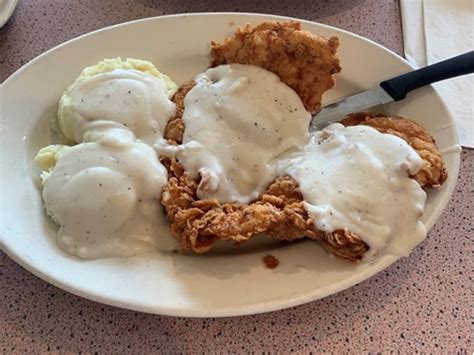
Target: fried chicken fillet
303 61
279 211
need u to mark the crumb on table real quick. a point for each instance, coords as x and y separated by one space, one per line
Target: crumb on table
270 261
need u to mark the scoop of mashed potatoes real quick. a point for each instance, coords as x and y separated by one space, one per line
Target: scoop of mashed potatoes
64 124
46 157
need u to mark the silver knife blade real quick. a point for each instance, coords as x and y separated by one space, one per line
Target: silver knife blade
355 103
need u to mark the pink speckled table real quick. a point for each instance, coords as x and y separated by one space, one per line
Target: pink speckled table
422 303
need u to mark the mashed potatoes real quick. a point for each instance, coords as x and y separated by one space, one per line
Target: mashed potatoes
96 100
103 193
47 157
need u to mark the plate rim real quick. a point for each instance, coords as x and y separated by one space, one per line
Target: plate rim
193 14
255 308
7 12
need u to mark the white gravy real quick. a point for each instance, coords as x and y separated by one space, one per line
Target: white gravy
357 179
121 98
238 119
105 197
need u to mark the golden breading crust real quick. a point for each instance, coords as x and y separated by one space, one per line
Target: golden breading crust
279 213
175 127
433 172
305 62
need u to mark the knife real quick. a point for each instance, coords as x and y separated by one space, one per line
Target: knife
394 89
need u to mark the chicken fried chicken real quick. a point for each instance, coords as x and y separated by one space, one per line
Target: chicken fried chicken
279 211
305 62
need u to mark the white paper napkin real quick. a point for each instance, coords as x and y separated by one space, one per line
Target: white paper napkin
434 30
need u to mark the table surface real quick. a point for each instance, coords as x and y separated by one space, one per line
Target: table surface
421 303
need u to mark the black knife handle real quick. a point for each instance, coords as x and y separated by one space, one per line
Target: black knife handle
400 86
